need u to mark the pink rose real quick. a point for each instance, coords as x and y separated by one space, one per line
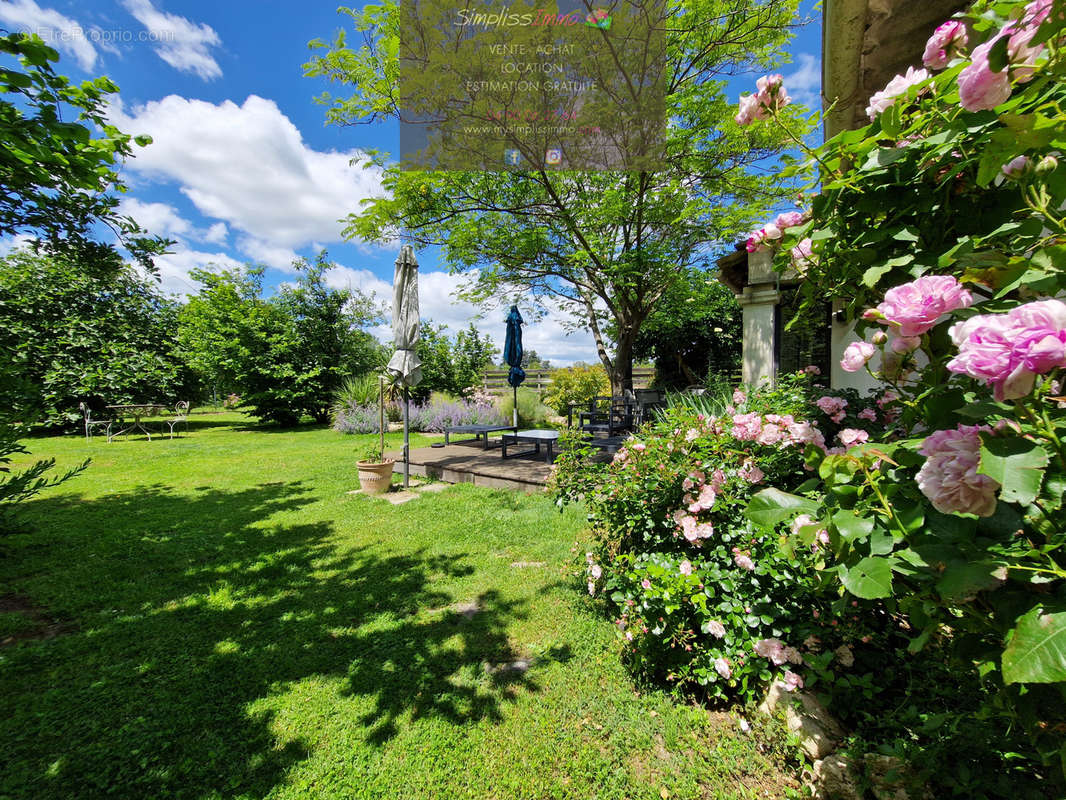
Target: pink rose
743 561
749 106
596 571
914 308
746 426
949 476
685 567
868 414
751 473
856 355
646 584
1009 350
942 45
792 681
716 628
790 219
768 99
852 436
980 88
803 255
722 667
905 344
773 649
739 398
1016 167
899 85
832 406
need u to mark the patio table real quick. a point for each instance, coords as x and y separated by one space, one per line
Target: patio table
137 410
534 437
479 431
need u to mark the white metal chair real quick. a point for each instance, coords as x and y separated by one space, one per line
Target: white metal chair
181 414
91 423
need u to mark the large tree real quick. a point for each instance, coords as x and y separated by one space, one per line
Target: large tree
60 156
286 355
606 247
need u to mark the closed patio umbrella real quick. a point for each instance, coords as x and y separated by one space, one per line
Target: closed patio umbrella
512 354
404 363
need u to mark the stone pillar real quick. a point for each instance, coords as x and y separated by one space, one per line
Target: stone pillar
758 300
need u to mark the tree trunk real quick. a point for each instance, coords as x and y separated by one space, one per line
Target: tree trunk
621 371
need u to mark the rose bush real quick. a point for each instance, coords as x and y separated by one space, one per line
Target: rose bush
940 229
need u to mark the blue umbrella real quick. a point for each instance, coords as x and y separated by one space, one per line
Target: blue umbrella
512 354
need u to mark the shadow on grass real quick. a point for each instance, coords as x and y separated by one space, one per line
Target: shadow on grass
190 609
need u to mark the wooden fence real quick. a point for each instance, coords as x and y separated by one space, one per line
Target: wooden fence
495 380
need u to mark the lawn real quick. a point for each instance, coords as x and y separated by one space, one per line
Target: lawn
220 618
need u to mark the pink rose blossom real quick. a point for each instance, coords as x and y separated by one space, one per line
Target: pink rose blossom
803 255
1009 350
596 571
790 219
980 88
739 398
722 667
592 589
914 308
899 85
905 344
832 406
743 560
751 473
856 355
868 414
749 108
769 98
716 628
1016 167
942 45
646 584
949 476
685 567
770 434
639 446
853 436
811 369
822 536
746 426
792 681
773 649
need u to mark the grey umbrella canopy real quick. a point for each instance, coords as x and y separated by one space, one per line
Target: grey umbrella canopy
404 363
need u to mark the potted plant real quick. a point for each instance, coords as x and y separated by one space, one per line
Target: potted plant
375 471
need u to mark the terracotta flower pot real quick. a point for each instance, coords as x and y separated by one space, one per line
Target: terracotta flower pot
375 477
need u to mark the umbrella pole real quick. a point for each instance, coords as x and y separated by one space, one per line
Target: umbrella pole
406 440
515 412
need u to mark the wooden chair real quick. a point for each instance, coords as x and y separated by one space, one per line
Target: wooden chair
91 423
181 414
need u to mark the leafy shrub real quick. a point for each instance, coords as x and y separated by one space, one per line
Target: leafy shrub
17 487
692 585
231 401
356 419
573 385
532 413
441 412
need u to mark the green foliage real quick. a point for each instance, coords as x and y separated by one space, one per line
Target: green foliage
452 366
361 391
286 356
576 385
74 331
605 247
693 334
58 175
18 486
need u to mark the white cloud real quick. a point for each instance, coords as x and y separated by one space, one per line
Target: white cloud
162 219
57 30
261 252
217 233
9 244
174 268
183 44
248 166
805 84
436 299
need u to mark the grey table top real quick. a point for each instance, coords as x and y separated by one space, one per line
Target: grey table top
542 435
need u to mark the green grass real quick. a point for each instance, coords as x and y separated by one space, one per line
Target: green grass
238 625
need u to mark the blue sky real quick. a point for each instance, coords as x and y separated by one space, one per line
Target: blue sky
243 167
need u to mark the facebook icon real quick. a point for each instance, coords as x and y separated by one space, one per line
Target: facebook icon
512 157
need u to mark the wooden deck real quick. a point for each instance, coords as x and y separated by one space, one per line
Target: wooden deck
469 463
